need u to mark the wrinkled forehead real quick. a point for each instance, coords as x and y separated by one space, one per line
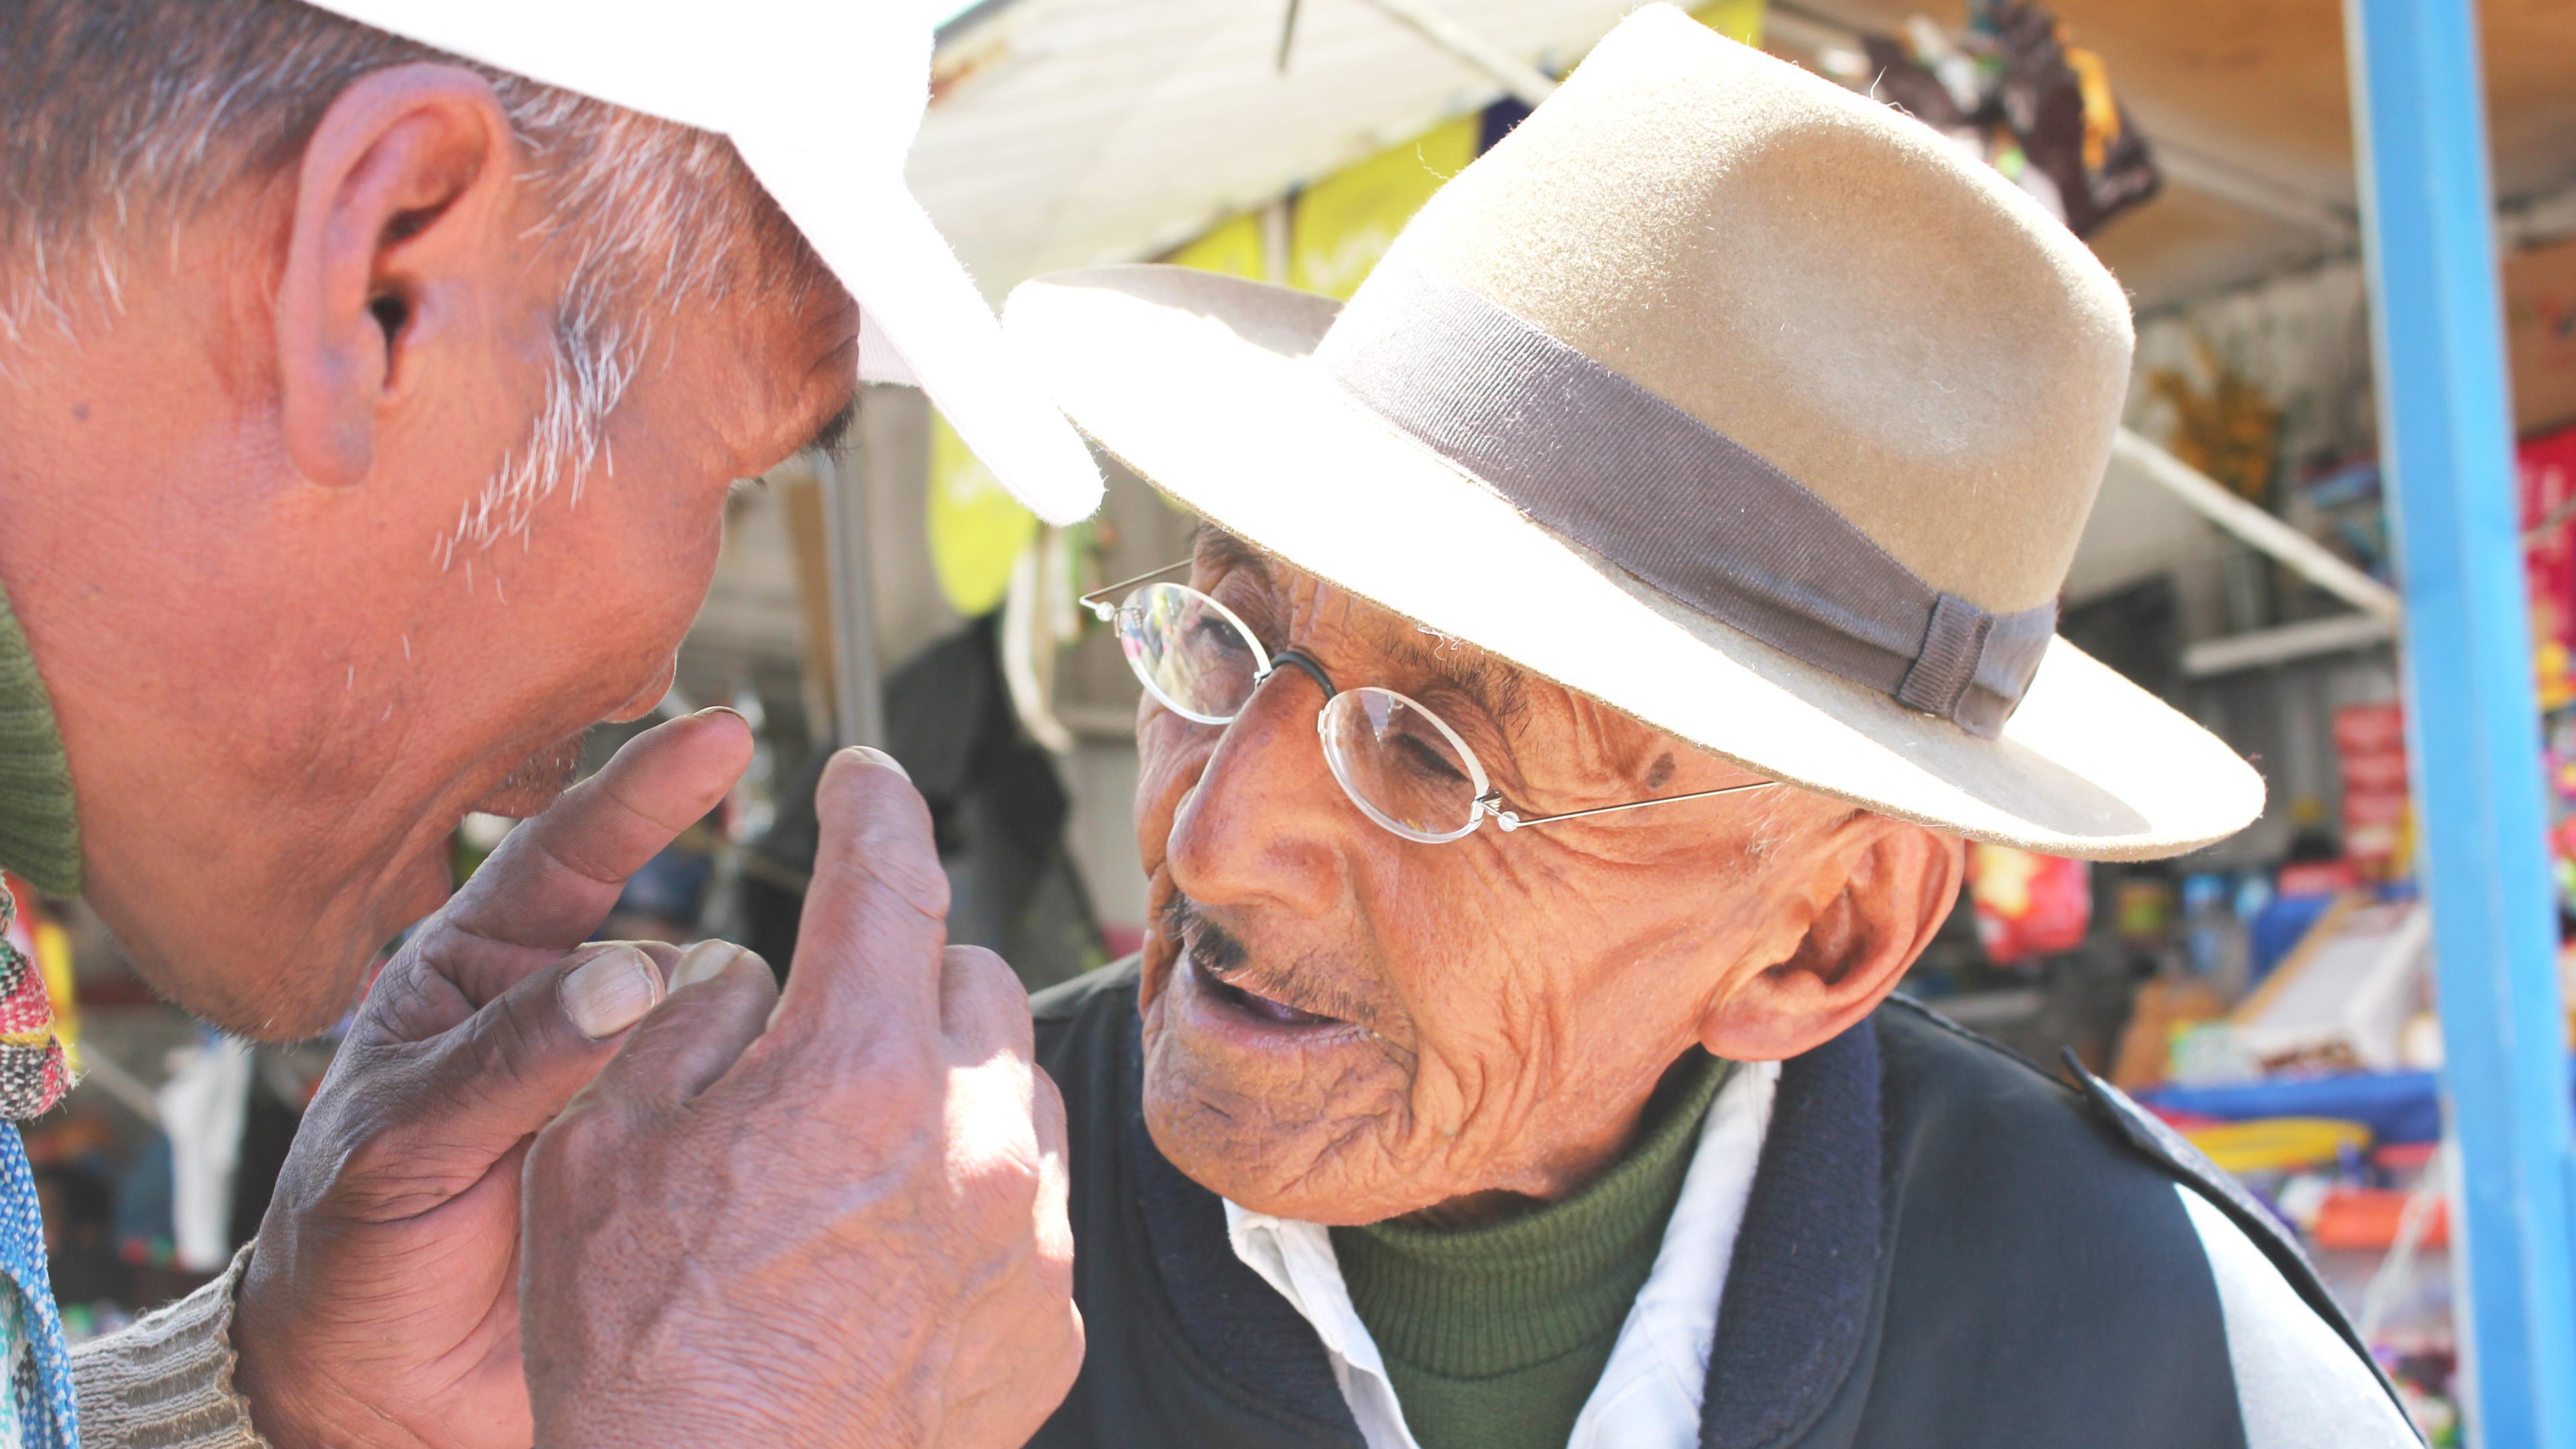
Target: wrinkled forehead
1398 652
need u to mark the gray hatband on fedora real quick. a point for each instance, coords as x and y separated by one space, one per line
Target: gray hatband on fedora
1672 500
1722 395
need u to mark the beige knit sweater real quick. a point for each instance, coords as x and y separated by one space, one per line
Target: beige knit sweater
167 1382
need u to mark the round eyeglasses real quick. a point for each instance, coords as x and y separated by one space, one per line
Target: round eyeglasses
1402 765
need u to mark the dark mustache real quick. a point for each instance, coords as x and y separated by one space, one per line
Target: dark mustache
1221 954
1210 944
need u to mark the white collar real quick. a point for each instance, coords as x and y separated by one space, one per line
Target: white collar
1649 1395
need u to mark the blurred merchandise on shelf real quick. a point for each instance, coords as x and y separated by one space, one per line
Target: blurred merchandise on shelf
2545 468
2277 1144
2370 744
2213 937
2342 1000
2312 874
2339 505
2540 333
2015 90
2165 1011
2142 911
2229 428
2028 905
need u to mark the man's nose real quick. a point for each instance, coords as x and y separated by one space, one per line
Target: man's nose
1266 821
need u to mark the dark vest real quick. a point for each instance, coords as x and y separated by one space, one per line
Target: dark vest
1944 1246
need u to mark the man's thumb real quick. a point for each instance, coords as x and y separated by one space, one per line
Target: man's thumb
609 991
508 1069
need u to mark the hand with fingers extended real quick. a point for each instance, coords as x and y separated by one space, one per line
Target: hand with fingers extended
381 1306
832 1216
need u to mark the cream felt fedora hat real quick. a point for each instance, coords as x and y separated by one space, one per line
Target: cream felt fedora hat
822 99
1730 398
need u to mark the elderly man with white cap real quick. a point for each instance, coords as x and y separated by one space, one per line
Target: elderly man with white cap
1602 632
371 380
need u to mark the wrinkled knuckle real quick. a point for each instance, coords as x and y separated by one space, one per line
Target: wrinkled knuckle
369 1149
404 989
1005 1179
497 1043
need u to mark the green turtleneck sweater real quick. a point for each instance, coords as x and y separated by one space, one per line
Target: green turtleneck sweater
39 836
1494 1336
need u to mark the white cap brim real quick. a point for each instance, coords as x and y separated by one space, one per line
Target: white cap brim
822 101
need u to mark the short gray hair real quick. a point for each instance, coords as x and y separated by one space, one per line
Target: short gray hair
120 120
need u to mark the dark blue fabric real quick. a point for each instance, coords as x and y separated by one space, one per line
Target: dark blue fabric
1805 1266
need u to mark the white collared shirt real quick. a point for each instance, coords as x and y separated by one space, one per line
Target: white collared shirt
1649 1395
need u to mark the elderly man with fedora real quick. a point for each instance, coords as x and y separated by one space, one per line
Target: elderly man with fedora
1602 632
372 379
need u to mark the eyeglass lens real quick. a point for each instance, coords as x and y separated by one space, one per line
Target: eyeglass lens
1400 763
1191 651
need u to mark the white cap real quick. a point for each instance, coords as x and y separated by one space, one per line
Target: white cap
822 98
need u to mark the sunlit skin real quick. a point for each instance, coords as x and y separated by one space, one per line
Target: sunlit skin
1502 1005
226 504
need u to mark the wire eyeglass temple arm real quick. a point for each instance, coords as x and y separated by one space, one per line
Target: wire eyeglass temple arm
1097 601
1492 804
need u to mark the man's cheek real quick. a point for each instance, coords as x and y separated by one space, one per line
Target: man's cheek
1172 755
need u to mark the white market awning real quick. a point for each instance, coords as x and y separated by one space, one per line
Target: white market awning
1065 133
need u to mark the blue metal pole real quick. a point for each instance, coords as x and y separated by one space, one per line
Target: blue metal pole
2446 441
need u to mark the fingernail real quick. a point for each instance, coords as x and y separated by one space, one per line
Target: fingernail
711 711
876 756
704 961
611 991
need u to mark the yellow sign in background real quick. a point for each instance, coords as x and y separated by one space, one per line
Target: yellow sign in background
977 529
1345 222
1232 247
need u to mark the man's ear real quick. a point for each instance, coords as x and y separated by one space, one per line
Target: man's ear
406 179
1897 884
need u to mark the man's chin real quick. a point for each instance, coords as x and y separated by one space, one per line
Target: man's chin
536 783
284 1008
277 986
1317 1162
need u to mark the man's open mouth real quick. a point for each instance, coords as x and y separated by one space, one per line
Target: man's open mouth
1252 1003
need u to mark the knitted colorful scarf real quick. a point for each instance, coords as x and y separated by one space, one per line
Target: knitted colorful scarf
40 840
33 1074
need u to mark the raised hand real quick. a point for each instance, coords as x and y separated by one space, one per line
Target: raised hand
381 1306
835 1217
